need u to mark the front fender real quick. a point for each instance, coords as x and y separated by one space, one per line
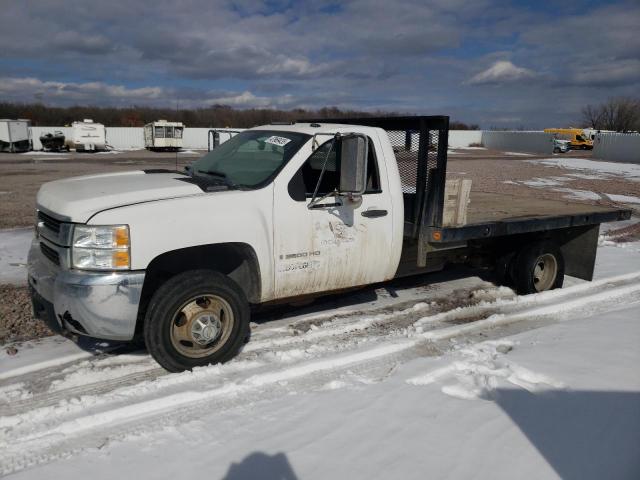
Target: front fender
218 217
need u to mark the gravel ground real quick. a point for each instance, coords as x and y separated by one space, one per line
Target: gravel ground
22 174
496 173
16 320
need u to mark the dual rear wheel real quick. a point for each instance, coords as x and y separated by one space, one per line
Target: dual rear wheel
537 267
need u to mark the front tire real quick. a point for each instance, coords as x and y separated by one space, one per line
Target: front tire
538 267
196 318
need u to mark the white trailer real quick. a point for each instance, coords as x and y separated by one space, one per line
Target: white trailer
163 135
15 135
87 136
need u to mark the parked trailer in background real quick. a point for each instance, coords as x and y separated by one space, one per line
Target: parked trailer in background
87 136
163 136
15 135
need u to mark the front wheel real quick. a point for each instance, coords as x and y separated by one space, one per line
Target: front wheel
196 318
538 267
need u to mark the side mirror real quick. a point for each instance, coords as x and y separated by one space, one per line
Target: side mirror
188 169
354 149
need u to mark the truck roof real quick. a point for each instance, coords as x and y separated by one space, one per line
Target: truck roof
308 128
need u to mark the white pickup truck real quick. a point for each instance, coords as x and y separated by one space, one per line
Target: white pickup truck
275 213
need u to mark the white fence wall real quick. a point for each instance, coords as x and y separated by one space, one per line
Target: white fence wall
125 138
617 147
132 138
529 142
195 138
464 138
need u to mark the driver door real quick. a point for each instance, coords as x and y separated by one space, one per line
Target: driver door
338 243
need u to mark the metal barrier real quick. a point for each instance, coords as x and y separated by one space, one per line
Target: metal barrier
617 147
528 142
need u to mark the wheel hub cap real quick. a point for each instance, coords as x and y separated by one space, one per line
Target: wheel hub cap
545 272
205 329
201 326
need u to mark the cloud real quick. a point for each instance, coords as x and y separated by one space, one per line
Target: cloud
413 56
90 44
607 74
502 71
63 93
247 99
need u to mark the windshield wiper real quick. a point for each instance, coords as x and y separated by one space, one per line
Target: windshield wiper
216 174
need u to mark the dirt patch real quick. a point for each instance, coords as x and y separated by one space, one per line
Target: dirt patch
22 176
495 172
630 233
16 319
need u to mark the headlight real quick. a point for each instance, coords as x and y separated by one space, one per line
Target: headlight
104 247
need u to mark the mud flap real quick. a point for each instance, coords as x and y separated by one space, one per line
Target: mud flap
579 251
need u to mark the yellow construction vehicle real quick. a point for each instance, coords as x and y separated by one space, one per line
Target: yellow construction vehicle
577 137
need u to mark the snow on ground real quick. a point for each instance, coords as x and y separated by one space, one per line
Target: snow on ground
458 380
14 247
519 154
107 152
623 198
36 153
573 193
627 170
597 171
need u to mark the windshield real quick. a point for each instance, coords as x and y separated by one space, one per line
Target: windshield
251 157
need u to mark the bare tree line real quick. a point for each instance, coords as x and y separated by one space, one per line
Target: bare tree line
214 116
620 114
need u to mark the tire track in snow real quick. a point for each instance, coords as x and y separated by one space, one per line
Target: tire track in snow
32 440
320 328
330 331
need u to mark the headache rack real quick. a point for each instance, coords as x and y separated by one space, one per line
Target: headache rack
420 147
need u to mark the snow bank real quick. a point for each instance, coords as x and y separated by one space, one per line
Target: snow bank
628 170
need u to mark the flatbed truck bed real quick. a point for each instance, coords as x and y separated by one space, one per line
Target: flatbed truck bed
494 214
497 226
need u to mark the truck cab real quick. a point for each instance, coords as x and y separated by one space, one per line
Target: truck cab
276 213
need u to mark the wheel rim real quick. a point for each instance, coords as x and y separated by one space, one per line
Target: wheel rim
201 326
545 272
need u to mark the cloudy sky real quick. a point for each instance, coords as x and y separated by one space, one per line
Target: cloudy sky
495 63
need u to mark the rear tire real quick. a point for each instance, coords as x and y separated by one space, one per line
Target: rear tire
538 267
196 318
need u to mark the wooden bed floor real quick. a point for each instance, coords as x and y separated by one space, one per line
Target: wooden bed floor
492 207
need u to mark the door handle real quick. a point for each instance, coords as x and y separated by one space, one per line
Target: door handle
373 213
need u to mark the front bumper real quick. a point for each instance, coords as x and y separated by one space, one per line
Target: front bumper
96 304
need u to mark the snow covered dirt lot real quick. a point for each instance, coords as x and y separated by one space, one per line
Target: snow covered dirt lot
441 376
455 379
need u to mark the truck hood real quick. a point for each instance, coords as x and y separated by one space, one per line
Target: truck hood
79 198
